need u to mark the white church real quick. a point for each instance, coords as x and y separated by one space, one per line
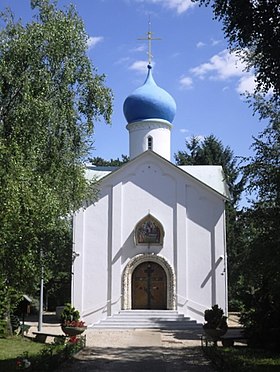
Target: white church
156 237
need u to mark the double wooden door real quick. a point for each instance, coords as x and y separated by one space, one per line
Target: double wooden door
149 287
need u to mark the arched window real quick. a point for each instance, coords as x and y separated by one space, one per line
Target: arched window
149 231
150 143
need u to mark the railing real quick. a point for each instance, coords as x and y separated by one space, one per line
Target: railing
101 307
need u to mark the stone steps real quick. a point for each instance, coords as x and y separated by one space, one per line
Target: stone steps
153 319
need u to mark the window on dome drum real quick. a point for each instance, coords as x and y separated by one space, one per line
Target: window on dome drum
149 231
150 143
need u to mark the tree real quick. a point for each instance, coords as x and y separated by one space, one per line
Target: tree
252 29
113 162
261 289
50 97
211 151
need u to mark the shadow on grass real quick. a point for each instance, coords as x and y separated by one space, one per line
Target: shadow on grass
8 365
243 359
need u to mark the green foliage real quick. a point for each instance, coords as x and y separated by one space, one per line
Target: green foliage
69 314
14 352
215 318
113 162
243 359
210 151
9 298
252 29
261 289
50 97
15 323
12 347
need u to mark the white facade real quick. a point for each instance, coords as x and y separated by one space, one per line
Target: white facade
155 239
188 203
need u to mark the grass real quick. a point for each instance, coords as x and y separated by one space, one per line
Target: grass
243 359
43 357
13 347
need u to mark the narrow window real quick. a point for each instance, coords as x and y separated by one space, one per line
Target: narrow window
150 143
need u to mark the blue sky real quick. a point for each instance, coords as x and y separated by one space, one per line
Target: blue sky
191 62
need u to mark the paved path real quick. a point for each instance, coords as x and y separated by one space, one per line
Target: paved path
135 350
140 351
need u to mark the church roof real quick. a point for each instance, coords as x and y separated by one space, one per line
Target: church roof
97 172
211 176
149 101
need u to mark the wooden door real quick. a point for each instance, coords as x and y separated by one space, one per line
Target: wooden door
149 287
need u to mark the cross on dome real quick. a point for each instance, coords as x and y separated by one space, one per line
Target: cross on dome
149 38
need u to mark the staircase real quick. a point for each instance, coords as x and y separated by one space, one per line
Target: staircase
160 319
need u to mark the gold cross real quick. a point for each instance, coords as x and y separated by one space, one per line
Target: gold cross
149 38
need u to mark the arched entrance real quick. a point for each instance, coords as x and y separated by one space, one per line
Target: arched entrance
129 272
149 287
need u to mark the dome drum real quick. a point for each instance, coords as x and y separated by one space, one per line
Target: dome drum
140 133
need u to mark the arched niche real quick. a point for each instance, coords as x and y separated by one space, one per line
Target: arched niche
149 231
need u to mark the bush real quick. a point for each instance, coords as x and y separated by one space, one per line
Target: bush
69 314
215 318
50 357
261 319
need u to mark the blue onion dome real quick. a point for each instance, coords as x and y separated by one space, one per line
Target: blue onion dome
149 102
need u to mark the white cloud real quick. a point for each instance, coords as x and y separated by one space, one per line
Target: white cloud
180 6
246 84
139 66
215 42
225 66
186 82
93 40
200 44
140 48
175 55
221 66
123 60
183 130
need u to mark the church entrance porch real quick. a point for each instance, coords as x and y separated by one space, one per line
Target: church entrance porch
149 287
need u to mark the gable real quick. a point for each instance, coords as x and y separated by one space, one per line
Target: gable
208 176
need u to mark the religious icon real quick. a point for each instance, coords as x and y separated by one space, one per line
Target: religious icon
148 232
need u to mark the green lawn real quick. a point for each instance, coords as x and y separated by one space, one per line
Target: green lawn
43 357
11 348
244 359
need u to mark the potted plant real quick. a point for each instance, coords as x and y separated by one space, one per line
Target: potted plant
216 323
70 321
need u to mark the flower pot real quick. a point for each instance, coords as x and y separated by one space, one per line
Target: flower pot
73 331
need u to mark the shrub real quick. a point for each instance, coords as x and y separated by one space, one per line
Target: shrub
69 314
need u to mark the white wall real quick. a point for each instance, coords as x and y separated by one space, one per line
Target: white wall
192 217
159 130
